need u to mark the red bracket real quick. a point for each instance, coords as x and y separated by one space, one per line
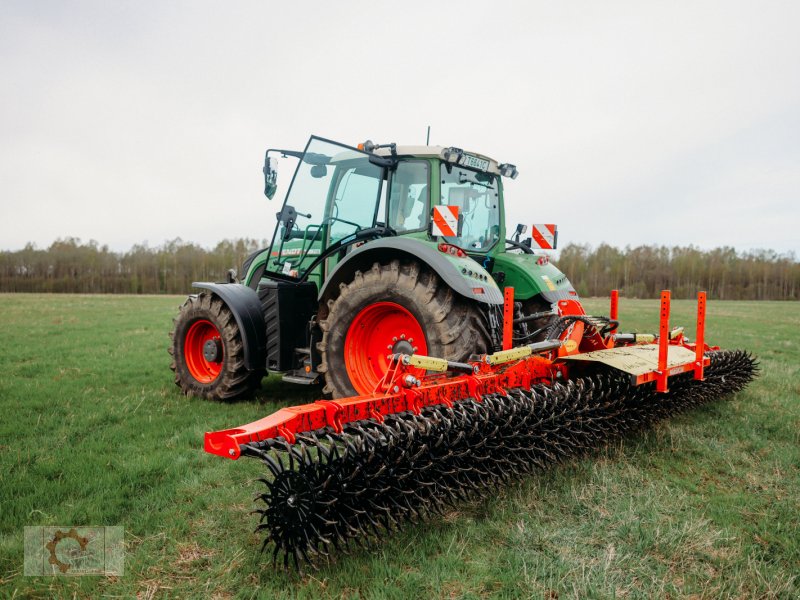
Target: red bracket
613 313
375 413
287 435
412 398
663 343
333 414
474 386
391 377
508 318
701 334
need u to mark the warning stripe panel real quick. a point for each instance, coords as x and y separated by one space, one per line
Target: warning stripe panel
544 235
445 221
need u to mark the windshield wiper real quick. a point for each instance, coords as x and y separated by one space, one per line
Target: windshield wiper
462 178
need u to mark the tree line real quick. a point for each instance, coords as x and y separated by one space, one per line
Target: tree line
70 265
644 271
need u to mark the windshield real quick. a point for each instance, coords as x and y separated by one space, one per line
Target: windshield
476 196
335 194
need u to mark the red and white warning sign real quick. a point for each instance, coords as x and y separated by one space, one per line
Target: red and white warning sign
545 236
445 221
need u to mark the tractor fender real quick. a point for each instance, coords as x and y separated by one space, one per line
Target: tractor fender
464 275
530 278
246 308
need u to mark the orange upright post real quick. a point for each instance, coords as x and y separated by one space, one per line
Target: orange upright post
508 318
701 335
614 311
663 343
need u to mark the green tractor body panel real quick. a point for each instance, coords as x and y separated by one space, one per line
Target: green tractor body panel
529 278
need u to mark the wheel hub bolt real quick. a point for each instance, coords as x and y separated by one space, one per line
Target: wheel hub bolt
212 350
402 347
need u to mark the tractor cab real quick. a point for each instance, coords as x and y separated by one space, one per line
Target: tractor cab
341 196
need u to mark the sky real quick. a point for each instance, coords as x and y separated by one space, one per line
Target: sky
631 123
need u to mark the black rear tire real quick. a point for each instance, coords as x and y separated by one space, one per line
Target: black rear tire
453 326
233 379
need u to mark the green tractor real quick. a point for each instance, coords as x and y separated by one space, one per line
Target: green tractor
378 250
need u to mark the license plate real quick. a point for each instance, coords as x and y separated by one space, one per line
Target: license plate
474 162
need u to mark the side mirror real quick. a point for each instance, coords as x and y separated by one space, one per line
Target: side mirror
319 171
270 177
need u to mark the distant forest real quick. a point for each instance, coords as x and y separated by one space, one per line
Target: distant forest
72 266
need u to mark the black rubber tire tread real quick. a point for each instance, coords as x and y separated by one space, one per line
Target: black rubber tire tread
235 380
454 327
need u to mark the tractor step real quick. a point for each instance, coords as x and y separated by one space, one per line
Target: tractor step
301 377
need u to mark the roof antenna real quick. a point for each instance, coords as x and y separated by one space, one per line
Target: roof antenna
428 139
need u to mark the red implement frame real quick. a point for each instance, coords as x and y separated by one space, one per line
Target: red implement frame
401 392
436 389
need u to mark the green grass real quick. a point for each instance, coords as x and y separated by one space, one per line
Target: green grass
93 432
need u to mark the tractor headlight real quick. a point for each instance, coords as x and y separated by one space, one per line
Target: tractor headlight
509 170
452 155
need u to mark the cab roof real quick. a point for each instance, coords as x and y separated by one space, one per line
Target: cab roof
437 151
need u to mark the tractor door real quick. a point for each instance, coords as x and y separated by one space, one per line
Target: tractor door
410 196
354 203
334 194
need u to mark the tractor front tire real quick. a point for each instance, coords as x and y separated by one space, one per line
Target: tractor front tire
207 351
399 307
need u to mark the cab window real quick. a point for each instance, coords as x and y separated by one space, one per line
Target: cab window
354 203
409 197
476 196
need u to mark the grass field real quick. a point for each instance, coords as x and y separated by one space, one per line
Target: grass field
93 432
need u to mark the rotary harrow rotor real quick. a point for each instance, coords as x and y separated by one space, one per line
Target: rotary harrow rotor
350 472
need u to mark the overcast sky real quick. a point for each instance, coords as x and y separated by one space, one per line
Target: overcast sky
630 122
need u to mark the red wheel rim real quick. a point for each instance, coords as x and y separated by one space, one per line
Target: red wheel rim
199 333
379 330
